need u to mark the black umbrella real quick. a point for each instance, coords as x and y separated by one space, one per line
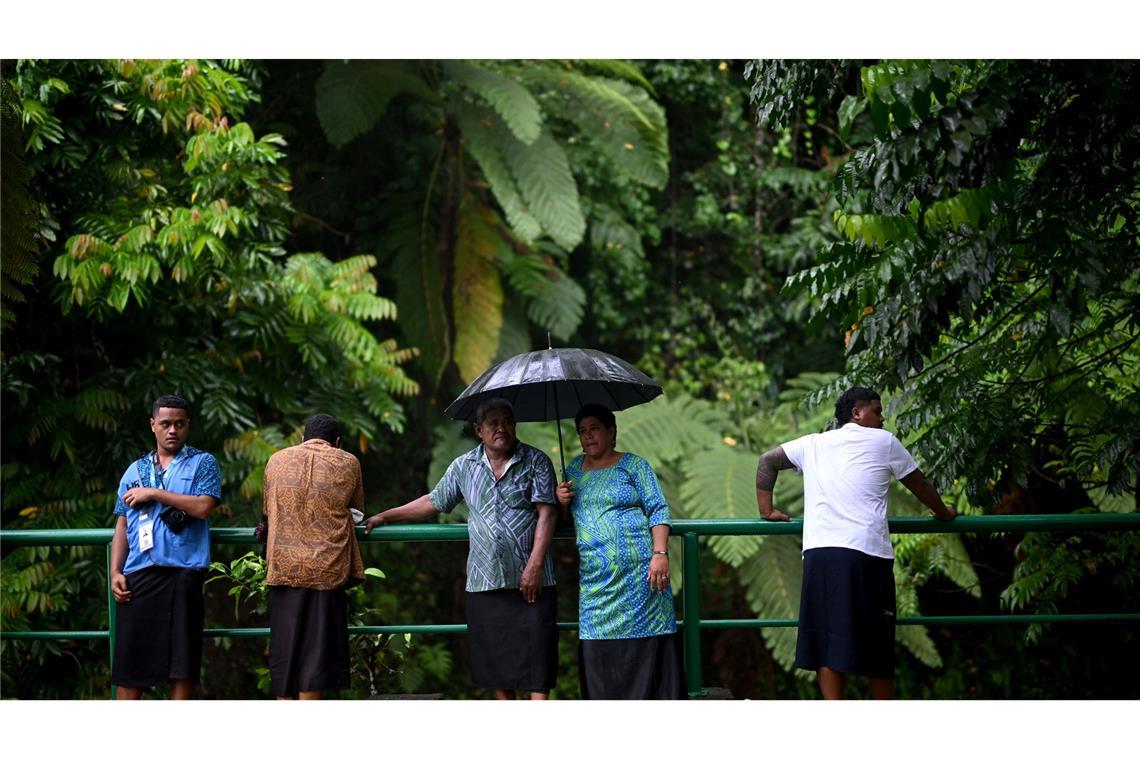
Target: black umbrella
546 385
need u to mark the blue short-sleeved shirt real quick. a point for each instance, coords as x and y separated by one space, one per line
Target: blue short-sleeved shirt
502 519
192 472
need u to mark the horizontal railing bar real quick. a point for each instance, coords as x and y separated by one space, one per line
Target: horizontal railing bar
735 526
935 620
58 635
454 628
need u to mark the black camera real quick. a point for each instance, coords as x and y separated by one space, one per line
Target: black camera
175 519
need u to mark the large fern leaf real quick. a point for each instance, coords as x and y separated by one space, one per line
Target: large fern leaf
617 68
720 482
772 581
510 99
477 297
543 176
353 95
666 429
621 119
484 133
914 637
556 302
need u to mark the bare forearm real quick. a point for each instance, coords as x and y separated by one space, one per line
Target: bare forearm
199 507
660 535
764 502
417 510
926 493
767 469
543 533
119 546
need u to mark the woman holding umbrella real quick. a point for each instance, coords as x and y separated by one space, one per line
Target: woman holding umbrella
628 647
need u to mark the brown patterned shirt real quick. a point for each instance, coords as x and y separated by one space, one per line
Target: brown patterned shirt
308 491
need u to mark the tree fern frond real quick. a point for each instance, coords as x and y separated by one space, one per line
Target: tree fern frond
511 100
619 118
666 429
617 68
477 297
772 581
543 176
484 135
559 307
353 95
720 482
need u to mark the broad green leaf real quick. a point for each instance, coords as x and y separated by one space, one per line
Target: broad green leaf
721 482
666 429
543 176
772 580
510 99
486 140
352 96
477 294
618 117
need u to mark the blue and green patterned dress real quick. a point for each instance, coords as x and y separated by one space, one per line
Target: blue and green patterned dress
614 510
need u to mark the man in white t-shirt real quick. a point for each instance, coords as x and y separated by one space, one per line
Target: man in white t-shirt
847 602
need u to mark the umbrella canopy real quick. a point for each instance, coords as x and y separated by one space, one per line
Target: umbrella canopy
555 383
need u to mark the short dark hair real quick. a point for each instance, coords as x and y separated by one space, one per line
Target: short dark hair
323 426
169 402
491 405
601 413
850 399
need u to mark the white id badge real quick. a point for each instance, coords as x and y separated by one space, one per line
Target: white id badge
146 535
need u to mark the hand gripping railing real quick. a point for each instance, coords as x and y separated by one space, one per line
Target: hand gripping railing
689 531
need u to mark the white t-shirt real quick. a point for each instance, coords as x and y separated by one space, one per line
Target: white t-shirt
846 475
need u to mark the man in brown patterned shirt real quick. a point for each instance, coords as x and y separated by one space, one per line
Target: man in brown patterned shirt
312 558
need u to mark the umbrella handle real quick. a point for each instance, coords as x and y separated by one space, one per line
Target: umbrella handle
561 456
558 426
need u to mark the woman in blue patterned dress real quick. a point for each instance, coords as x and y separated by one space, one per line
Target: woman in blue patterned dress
628 648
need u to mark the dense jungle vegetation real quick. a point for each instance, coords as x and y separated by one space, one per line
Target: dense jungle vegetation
363 238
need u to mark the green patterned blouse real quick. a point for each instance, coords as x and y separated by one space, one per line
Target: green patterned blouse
614 509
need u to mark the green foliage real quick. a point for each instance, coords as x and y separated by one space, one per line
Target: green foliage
989 271
246 576
1055 571
509 134
169 275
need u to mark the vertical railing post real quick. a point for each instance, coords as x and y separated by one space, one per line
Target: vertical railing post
691 571
110 617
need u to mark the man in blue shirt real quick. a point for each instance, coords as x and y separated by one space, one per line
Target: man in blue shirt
159 556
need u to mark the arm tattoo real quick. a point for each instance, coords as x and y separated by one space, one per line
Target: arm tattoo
771 462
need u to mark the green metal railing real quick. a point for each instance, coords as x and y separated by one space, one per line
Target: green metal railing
690 532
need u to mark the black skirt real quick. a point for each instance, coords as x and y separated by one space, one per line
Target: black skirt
513 644
308 640
647 668
158 634
847 613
